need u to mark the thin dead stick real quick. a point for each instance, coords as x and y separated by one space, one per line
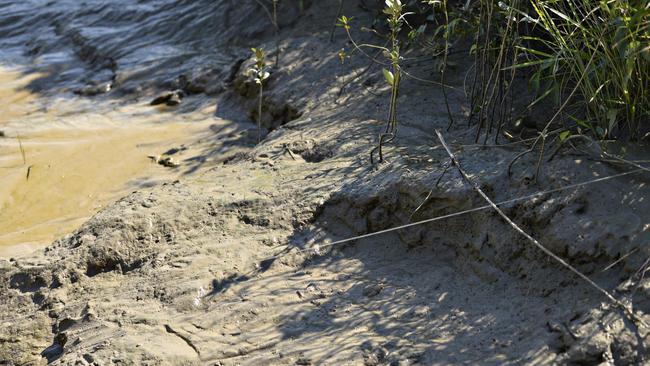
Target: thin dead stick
625 161
454 161
338 14
619 260
641 274
266 10
22 150
277 32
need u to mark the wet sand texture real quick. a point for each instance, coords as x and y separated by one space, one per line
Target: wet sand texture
220 267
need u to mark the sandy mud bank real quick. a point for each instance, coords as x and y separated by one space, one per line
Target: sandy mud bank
232 266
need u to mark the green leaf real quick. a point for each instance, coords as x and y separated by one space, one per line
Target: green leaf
344 22
581 122
534 82
564 135
611 119
389 77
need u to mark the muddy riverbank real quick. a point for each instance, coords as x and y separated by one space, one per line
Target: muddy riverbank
230 265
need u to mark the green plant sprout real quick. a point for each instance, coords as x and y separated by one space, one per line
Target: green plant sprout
392 74
259 74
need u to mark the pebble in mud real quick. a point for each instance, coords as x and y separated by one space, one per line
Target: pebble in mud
169 98
174 100
162 98
92 90
166 161
169 162
370 360
372 290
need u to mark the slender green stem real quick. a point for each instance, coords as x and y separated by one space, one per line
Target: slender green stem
259 114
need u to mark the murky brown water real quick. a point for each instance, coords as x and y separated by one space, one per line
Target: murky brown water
82 152
78 159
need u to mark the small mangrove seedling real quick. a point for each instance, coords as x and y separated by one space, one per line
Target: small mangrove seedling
258 74
392 74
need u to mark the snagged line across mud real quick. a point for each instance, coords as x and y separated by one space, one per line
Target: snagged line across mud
224 263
